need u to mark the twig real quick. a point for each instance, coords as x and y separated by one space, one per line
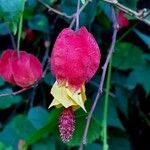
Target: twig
140 15
55 11
77 15
46 69
100 90
80 10
15 93
73 16
32 96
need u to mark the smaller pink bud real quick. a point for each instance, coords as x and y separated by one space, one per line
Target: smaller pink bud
23 70
66 124
122 20
29 35
26 69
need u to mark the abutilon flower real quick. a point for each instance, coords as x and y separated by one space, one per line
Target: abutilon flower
75 59
23 70
122 19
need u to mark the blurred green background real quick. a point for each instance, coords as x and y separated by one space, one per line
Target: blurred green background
25 118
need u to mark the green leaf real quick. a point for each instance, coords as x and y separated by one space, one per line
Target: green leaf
38 116
113 119
9 137
93 131
145 38
3 29
87 15
39 22
49 79
7 101
2 147
10 12
112 116
106 10
47 129
49 2
118 78
83 1
147 57
127 56
31 3
2 82
45 144
23 126
121 100
140 75
119 141
131 4
93 146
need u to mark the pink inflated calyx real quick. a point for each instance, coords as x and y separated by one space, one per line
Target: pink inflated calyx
23 69
75 57
122 20
5 66
26 69
66 124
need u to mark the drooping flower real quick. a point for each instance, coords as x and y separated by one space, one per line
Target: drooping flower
75 59
23 70
122 20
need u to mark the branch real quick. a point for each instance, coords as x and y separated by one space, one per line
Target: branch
100 90
77 15
73 16
140 15
15 93
55 11
80 10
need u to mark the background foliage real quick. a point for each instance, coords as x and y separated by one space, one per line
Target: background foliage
25 118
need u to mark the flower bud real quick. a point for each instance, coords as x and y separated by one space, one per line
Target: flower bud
122 20
26 69
23 69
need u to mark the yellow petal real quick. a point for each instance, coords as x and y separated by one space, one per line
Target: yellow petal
60 94
55 102
78 97
64 96
83 93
